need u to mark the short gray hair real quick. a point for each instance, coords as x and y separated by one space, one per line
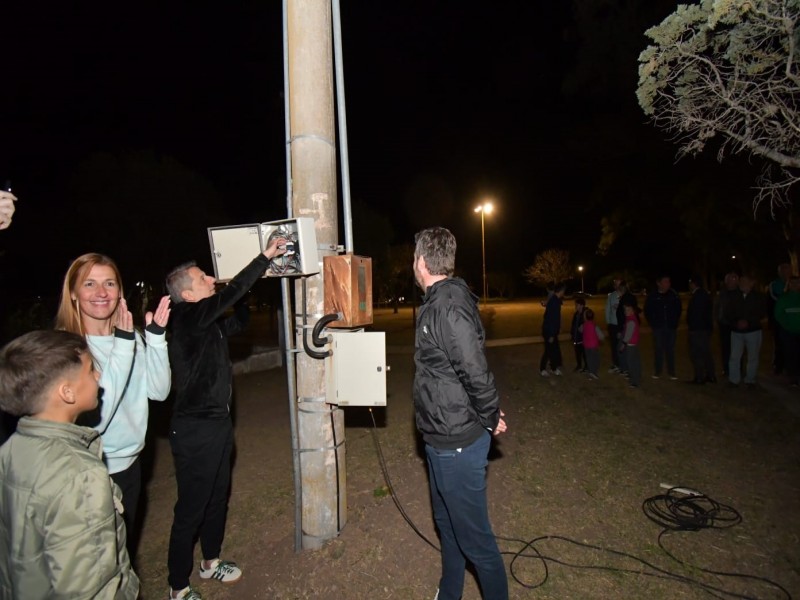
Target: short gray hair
179 280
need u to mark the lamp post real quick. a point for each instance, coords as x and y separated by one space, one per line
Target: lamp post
485 209
580 270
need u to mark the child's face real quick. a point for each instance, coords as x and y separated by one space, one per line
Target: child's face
628 310
83 382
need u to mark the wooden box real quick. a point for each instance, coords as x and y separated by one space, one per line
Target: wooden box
348 289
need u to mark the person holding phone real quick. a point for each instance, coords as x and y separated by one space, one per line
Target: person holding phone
7 200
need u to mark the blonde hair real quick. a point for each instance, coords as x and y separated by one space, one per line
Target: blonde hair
68 316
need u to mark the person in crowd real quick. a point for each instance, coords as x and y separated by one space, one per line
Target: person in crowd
663 310
700 321
625 297
60 528
629 345
592 336
201 432
787 315
730 288
612 304
576 334
7 208
457 410
776 289
133 368
551 326
745 311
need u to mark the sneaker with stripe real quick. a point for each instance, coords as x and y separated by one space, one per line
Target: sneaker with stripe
221 570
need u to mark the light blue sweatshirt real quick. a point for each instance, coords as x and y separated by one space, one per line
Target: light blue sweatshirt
123 417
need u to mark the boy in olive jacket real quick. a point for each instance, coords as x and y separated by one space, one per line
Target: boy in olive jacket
60 528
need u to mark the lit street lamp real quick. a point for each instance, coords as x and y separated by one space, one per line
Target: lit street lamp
484 209
580 270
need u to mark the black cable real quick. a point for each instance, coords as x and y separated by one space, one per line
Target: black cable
691 513
388 480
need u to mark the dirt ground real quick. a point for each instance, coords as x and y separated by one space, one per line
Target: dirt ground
579 459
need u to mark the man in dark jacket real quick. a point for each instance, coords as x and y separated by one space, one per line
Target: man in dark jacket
201 433
745 311
551 327
699 318
457 412
663 309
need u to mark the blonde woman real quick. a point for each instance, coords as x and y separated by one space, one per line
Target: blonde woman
133 368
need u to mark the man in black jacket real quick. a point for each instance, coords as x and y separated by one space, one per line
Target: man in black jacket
663 309
457 412
699 319
201 433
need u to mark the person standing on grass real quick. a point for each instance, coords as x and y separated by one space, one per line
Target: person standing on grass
457 411
625 297
663 310
700 321
776 289
730 288
787 315
576 333
551 326
745 311
592 336
629 346
201 432
612 304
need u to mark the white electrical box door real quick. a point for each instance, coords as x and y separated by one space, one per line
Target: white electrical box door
356 369
232 248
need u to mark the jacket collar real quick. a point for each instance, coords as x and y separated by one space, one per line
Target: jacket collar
66 431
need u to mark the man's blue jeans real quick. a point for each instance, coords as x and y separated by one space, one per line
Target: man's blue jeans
458 496
739 342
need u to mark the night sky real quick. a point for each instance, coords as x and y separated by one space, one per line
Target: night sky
129 129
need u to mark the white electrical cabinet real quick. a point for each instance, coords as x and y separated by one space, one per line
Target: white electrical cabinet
356 370
234 246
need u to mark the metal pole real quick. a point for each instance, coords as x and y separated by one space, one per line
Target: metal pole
483 252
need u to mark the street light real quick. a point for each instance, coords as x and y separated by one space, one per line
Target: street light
580 270
485 209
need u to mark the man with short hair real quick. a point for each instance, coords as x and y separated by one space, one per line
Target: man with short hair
700 323
745 311
776 289
663 309
201 432
730 287
457 412
551 327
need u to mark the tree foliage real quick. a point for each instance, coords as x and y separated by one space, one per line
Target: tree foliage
728 71
550 266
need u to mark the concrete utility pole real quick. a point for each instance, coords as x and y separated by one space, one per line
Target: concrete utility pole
313 157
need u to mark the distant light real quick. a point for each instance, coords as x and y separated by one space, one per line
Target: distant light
733 257
486 208
580 268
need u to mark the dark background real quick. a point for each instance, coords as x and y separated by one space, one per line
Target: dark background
129 129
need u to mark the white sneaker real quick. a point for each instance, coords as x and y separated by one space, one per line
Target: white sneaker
186 593
593 376
221 570
436 597
543 373
558 372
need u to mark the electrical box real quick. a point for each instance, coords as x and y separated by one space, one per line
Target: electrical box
234 246
348 289
355 371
